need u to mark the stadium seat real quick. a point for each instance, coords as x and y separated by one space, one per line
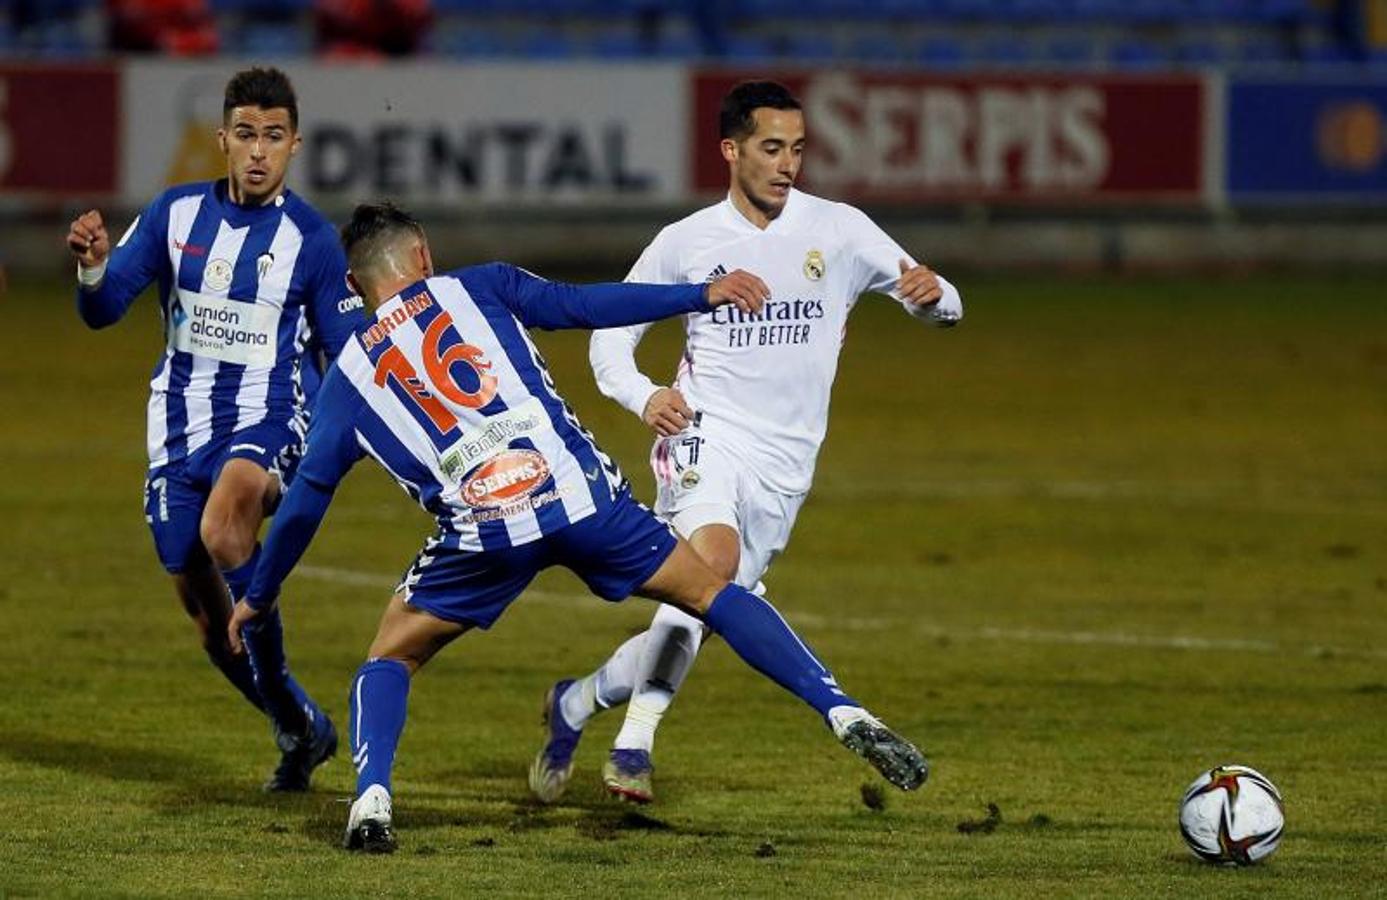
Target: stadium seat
469 42
1200 53
273 39
1071 50
1262 51
748 49
60 39
1134 53
941 53
547 43
619 45
273 9
1004 52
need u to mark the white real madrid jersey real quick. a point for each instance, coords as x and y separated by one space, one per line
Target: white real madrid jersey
762 382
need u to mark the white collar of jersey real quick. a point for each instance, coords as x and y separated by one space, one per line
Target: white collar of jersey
779 223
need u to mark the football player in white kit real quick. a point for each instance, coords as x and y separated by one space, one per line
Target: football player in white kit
739 430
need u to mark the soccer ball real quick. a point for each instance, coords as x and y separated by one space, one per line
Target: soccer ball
1232 815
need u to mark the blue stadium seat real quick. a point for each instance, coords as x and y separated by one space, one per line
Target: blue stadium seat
968 9
1040 10
680 46
278 9
1221 10
1005 52
61 39
1071 50
1200 53
1327 54
809 47
941 53
875 48
1262 51
1134 53
473 7
547 43
273 39
467 43
1282 11
748 48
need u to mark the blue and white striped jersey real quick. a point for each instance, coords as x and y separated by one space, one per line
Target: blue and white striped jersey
446 390
246 293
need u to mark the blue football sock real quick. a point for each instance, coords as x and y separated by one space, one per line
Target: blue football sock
285 701
238 579
238 671
757 633
379 695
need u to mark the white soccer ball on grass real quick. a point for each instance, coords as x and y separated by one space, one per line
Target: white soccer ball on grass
1232 815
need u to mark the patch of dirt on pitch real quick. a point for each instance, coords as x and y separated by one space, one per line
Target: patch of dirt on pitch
610 827
985 825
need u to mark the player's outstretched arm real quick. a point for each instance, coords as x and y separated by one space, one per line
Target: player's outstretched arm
332 450
295 523
554 305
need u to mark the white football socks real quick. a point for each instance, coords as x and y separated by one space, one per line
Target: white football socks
668 653
609 686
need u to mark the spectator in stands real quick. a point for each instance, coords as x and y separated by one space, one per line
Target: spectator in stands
178 27
372 28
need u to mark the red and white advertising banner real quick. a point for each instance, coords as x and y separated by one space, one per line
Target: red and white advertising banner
59 130
887 137
432 135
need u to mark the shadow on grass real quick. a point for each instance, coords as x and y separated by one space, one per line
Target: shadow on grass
501 823
118 763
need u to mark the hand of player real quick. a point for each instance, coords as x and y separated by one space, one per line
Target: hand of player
87 239
918 285
241 616
666 412
739 288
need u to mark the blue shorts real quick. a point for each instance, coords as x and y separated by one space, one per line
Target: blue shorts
175 493
614 551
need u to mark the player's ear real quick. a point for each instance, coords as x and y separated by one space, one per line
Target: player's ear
425 258
729 149
295 144
354 285
221 140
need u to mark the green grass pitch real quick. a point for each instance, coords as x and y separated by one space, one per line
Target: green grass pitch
1104 535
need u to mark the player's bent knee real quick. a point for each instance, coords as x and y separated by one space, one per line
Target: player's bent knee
228 547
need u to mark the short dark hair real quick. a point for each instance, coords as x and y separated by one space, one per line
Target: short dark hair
737 117
370 224
266 88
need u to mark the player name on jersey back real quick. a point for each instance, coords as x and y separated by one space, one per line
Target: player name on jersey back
231 331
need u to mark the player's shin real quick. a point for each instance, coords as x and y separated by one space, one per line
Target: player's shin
378 699
666 656
611 685
758 634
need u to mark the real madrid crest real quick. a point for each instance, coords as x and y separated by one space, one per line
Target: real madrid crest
217 276
689 479
814 267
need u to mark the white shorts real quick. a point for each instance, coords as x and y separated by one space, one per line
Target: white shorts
701 482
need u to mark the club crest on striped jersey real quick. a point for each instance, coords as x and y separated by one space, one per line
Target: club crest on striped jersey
505 478
263 263
217 275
